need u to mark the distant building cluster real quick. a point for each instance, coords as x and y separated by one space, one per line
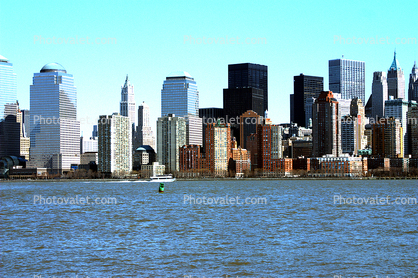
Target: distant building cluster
331 132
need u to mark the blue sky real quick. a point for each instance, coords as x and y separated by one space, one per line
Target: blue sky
149 43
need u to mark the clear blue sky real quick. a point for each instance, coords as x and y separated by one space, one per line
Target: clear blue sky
299 37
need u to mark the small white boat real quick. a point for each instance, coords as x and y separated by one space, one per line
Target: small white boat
162 178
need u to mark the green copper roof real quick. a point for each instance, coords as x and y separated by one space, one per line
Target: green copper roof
395 63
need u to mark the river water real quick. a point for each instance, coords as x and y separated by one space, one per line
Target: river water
289 228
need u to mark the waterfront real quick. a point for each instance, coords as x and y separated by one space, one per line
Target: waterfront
300 231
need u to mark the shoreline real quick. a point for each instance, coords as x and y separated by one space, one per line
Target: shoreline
213 179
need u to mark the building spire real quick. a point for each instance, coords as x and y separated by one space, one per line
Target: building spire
126 81
395 63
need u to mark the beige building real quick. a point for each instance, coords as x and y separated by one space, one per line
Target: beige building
171 135
115 144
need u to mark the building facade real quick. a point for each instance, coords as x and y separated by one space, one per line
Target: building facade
379 94
8 85
144 134
127 102
171 135
347 77
398 109
413 83
387 139
115 144
218 148
304 87
413 131
55 131
396 80
249 75
326 127
179 95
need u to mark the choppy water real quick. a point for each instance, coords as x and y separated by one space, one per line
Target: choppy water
300 232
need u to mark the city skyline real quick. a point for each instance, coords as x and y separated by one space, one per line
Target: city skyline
207 63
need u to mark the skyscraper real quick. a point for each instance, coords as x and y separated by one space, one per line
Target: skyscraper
379 94
179 95
115 144
218 147
249 75
352 129
387 139
127 102
347 77
326 126
55 131
193 130
308 111
413 83
304 87
238 101
144 134
171 135
413 130
398 109
396 80
8 85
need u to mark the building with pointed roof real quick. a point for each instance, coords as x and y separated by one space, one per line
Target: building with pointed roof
396 79
127 103
413 83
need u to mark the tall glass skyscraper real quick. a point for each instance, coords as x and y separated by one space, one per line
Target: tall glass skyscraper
396 80
249 75
179 95
127 103
55 131
8 85
347 77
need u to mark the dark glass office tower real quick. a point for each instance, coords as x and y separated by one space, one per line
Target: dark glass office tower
249 75
238 101
304 86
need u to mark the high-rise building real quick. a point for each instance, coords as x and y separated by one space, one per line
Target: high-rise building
347 77
8 85
127 102
115 144
238 101
352 129
209 116
218 147
343 104
304 87
249 75
144 134
23 118
413 130
387 139
413 83
179 95
379 94
88 145
94 133
248 122
171 135
396 80
326 126
193 130
9 136
55 131
357 110
308 111
292 107
398 109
